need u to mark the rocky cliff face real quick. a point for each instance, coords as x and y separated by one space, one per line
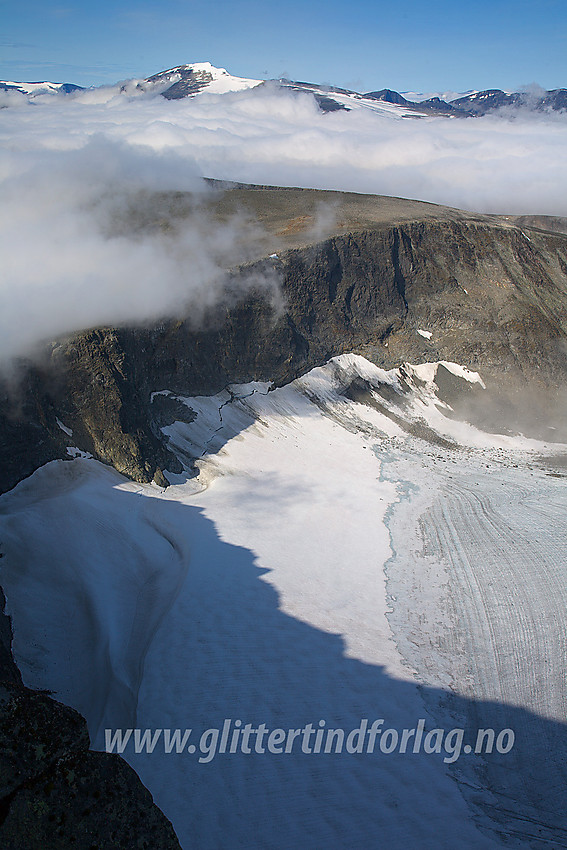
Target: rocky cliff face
493 297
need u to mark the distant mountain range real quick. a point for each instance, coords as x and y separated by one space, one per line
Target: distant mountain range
198 78
41 88
478 103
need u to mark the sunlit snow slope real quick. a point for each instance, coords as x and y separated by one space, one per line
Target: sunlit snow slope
347 551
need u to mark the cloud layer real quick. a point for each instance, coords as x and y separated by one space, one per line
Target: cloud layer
72 167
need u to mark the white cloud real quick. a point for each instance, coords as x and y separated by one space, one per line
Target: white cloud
78 251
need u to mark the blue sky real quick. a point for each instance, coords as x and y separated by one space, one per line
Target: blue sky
420 46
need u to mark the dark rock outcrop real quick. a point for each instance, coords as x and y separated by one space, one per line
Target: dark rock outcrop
8 670
54 792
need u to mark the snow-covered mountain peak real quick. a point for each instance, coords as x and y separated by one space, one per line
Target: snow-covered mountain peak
193 78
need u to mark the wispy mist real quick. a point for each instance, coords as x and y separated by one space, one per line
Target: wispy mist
85 242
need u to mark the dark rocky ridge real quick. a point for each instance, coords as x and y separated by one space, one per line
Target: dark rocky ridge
365 280
54 792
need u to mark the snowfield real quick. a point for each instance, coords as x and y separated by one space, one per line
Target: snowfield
346 551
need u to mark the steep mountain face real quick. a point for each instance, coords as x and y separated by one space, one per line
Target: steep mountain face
393 280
